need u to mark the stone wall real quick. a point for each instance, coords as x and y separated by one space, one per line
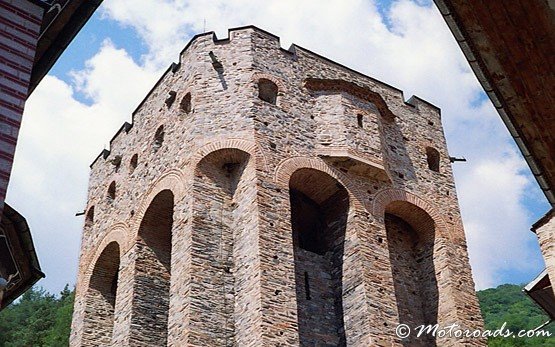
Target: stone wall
232 162
545 231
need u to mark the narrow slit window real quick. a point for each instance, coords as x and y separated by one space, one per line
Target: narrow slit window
360 121
112 190
133 163
159 137
307 285
186 103
432 156
171 98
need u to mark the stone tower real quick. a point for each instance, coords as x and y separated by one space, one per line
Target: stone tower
272 197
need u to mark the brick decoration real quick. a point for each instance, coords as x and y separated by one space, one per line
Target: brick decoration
173 180
288 167
389 195
100 297
213 145
119 233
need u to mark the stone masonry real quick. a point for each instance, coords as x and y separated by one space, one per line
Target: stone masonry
272 197
545 232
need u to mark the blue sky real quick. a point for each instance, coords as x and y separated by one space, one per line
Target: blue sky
121 52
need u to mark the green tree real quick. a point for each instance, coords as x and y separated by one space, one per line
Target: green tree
508 304
58 334
37 319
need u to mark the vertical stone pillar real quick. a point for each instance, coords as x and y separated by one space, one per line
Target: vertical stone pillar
124 300
378 281
278 291
357 311
180 288
78 309
545 231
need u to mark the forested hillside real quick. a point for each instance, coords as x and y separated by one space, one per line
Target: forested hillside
507 303
42 319
37 319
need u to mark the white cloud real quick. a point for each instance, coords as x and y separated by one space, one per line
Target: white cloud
59 138
496 223
413 50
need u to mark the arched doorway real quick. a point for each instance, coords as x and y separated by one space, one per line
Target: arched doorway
319 213
151 290
224 228
410 236
100 299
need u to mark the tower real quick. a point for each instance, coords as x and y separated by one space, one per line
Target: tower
265 197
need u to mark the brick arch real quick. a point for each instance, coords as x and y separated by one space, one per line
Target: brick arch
279 83
386 196
247 146
172 180
287 167
118 233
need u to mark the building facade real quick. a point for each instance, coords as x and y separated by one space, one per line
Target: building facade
272 197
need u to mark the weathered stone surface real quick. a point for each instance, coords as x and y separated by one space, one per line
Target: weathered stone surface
250 263
545 231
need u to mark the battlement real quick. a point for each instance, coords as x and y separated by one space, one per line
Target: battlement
206 42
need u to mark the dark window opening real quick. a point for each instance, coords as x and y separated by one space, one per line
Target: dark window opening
116 161
100 298
151 292
410 241
432 156
134 162
311 224
112 190
186 103
171 98
360 119
267 91
9 266
319 213
159 137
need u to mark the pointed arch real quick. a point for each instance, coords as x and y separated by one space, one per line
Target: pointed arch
118 233
173 180
224 217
